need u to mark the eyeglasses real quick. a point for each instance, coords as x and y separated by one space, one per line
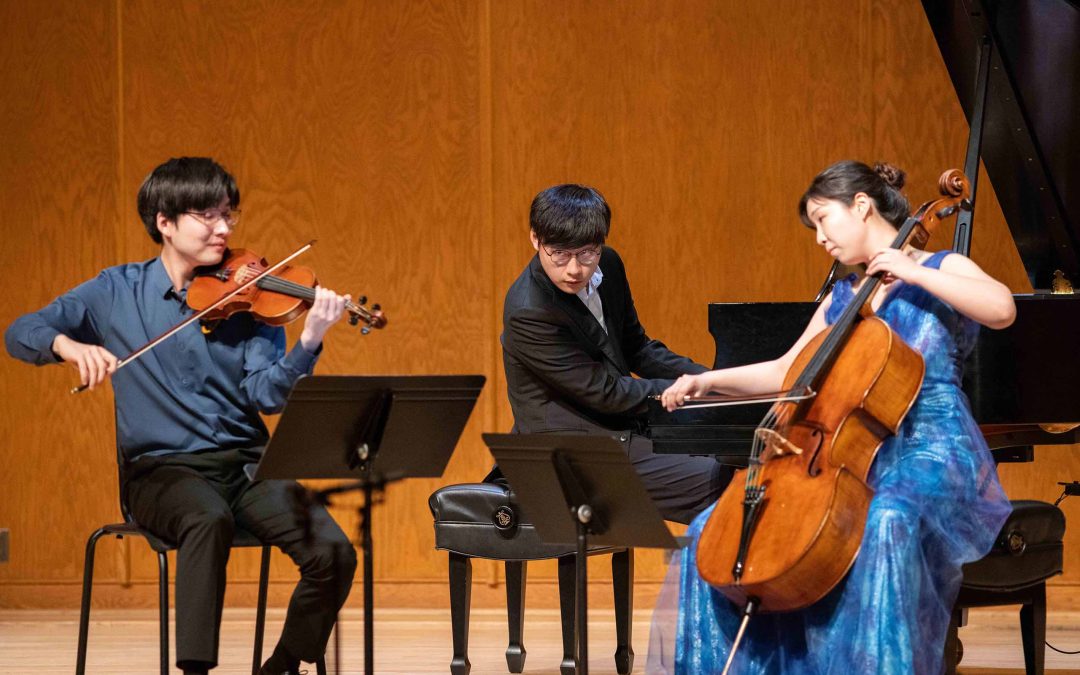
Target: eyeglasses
561 257
210 217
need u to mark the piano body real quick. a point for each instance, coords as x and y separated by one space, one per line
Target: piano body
1015 65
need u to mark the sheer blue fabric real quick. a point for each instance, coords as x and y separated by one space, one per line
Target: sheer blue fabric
937 505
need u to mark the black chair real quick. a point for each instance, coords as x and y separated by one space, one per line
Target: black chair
1027 553
130 528
482 520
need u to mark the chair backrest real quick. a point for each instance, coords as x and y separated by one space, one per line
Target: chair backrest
121 483
124 511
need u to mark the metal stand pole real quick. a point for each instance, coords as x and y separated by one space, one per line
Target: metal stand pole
583 515
369 582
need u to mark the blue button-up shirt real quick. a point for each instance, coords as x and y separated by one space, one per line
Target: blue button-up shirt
194 391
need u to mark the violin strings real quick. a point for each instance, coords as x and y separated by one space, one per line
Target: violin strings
305 292
284 285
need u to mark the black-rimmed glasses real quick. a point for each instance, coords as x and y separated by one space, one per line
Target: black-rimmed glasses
561 257
210 217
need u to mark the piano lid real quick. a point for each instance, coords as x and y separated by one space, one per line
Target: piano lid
1031 138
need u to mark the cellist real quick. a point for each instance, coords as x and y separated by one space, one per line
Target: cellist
187 415
937 502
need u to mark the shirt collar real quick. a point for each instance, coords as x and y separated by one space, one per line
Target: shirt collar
157 279
594 283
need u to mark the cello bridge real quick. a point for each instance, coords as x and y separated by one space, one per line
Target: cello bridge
776 445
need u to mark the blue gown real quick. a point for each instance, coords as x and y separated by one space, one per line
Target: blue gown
937 505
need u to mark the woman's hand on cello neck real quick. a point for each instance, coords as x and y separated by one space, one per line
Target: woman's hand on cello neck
958 281
896 264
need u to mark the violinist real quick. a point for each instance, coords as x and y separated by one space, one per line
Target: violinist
187 414
937 502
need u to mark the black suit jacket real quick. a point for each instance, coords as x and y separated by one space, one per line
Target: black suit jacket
564 374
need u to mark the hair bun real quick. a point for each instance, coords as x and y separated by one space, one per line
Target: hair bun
892 175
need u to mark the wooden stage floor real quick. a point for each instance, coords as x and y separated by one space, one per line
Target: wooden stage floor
418 641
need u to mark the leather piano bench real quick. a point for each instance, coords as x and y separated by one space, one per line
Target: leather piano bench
482 520
1027 553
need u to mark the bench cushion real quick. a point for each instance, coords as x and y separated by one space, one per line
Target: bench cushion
483 520
1028 550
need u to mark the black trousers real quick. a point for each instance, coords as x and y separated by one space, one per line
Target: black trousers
681 486
197 500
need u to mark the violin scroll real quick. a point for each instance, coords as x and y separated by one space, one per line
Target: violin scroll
372 318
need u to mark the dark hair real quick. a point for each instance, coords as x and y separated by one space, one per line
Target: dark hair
571 216
843 180
184 184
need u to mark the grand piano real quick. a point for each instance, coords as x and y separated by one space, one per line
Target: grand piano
1015 65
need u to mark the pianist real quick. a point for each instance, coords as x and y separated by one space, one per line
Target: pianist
571 339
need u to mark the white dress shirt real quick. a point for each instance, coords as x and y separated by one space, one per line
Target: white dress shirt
591 297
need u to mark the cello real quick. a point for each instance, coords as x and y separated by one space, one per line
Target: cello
791 532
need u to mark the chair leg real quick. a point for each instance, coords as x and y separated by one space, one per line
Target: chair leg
260 610
568 610
84 610
1033 631
163 604
460 600
516 573
952 643
622 577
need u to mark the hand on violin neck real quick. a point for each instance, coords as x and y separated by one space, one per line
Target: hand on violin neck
326 310
95 363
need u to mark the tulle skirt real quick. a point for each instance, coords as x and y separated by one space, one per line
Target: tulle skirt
937 505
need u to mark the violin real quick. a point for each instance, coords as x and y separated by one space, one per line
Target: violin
244 282
275 299
785 538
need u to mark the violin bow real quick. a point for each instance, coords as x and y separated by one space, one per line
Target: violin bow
195 317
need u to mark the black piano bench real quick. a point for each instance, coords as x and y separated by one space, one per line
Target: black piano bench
1027 553
482 520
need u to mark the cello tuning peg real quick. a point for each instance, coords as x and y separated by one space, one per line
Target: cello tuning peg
375 307
362 300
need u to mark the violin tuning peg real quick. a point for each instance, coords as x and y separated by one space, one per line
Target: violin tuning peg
375 307
365 330
362 300
353 319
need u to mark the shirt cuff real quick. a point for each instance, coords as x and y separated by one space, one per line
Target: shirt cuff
300 360
41 340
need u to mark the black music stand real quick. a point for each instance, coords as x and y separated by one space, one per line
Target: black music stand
580 490
374 430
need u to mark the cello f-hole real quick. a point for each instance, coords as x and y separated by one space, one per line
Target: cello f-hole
813 468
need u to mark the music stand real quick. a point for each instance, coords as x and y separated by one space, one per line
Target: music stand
374 430
578 489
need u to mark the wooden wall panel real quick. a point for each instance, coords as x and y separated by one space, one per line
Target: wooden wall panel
409 139
355 125
58 191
